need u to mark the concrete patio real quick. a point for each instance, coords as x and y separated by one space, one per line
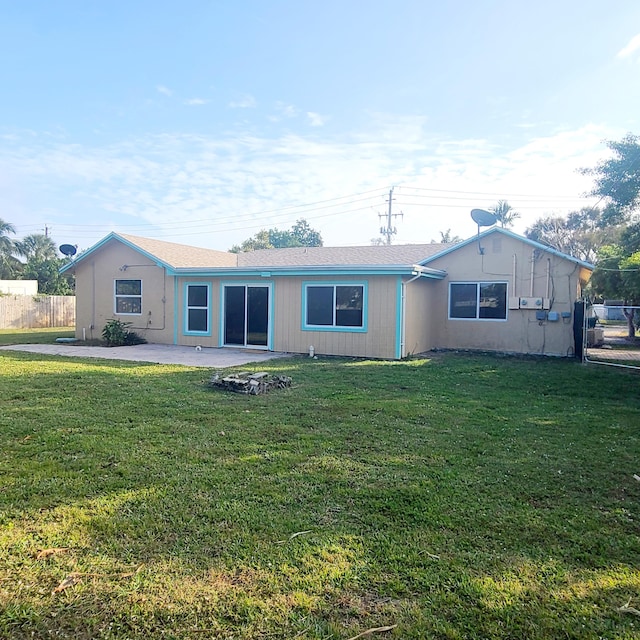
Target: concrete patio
155 353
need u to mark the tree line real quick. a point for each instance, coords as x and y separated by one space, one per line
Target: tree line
35 257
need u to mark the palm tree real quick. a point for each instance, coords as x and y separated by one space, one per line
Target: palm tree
505 214
37 246
8 263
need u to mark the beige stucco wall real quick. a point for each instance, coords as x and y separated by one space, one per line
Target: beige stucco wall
521 332
95 278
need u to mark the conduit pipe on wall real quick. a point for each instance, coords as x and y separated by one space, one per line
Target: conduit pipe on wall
514 292
548 277
533 263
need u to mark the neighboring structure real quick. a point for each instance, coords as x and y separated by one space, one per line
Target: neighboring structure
19 287
496 291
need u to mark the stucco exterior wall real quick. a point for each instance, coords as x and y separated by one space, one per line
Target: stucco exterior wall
95 282
527 272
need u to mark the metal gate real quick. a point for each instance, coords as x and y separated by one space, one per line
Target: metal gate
601 335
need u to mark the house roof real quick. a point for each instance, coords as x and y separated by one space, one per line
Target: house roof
181 255
407 258
407 254
184 259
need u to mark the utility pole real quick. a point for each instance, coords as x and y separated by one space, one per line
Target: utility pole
388 231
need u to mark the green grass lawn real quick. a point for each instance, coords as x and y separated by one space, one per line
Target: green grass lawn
454 497
34 336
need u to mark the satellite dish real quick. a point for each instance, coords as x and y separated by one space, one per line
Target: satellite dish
483 218
68 250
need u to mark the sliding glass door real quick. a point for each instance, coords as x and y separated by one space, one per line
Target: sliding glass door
246 315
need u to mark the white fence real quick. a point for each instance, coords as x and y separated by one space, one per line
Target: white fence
37 312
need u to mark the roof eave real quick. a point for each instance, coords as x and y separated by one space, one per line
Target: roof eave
317 270
115 236
515 236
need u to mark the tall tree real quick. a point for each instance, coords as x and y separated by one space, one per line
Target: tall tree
47 272
504 213
617 181
36 246
9 266
618 178
300 235
580 234
305 235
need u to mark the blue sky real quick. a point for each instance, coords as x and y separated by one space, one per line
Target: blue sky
203 122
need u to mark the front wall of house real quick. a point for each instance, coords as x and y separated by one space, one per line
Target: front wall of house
95 293
508 260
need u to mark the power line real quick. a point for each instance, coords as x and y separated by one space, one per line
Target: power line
493 193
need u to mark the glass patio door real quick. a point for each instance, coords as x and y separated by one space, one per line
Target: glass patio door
246 315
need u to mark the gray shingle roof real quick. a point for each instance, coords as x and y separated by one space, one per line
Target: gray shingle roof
182 255
407 254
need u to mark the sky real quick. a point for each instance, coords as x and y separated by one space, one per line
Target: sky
205 121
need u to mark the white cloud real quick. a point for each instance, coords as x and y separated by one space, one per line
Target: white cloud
195 102
244 102
165 91
632 47
284 111
315 119
216 191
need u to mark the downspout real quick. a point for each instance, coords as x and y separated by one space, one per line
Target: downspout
403 314
93 299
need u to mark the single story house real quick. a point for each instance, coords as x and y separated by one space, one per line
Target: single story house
496 291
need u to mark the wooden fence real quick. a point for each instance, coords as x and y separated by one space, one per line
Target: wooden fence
35 312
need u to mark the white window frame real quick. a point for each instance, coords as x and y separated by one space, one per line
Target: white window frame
478 284
117 296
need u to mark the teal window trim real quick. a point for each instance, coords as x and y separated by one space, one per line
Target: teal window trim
333 327
186 331
478 284
248 283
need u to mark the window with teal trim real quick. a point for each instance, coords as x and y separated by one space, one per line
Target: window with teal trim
197 308
335 306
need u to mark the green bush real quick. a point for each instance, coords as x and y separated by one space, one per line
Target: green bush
117 334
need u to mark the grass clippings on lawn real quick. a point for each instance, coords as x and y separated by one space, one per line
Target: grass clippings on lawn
454 497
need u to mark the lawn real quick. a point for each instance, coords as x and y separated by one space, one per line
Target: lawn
34 336
456 497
